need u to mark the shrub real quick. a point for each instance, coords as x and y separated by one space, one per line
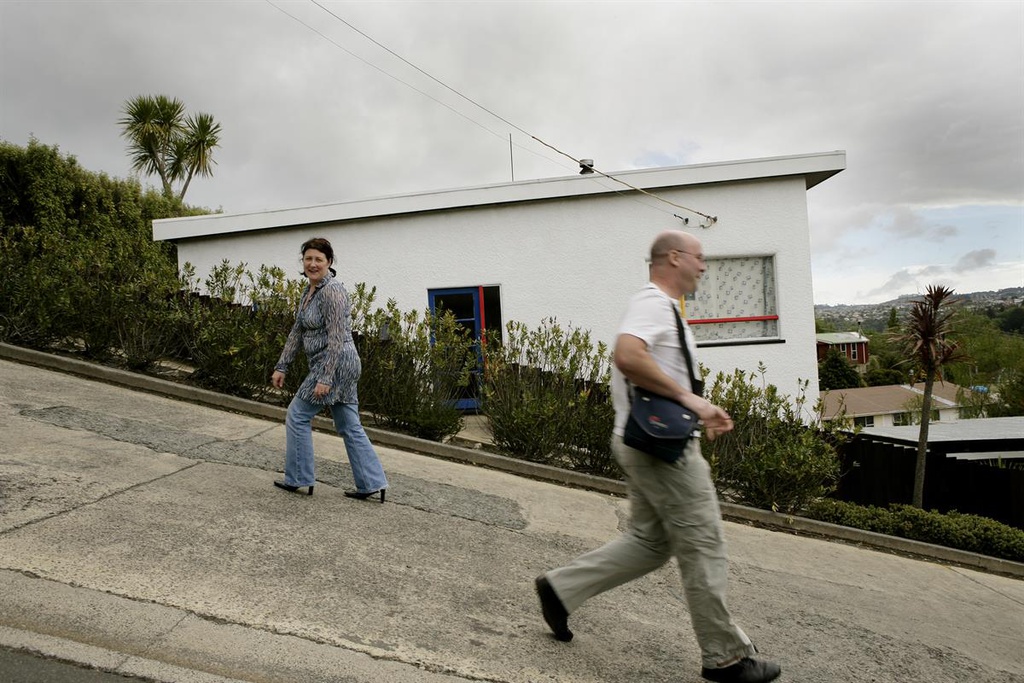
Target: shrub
234 335
545 393
80 266
952 530
772 459
145 328
414 369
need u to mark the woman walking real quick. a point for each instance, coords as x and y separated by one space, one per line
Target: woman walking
323 329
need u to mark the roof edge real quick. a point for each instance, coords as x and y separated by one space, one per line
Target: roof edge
815 168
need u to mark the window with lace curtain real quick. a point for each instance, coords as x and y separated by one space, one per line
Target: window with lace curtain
735 300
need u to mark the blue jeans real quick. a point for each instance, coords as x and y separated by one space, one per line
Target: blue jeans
298 461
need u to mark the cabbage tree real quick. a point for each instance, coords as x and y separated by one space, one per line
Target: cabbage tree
164 141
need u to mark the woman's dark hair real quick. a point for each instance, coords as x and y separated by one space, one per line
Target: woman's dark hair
323 246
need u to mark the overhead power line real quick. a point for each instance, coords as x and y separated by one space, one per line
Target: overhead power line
710 219
503 119
395 78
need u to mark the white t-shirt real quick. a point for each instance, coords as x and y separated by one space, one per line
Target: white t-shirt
649 317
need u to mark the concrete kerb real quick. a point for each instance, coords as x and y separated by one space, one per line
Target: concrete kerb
482 458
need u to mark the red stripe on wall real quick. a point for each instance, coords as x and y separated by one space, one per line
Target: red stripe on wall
749 319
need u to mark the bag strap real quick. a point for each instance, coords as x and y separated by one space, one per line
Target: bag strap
696 386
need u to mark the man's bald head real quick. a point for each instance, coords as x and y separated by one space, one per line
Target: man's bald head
669 240
677 262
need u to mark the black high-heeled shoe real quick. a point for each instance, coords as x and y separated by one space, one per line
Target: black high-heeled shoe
292 489
359 495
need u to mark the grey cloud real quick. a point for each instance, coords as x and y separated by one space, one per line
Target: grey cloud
973 260
933 271
905 222
900 281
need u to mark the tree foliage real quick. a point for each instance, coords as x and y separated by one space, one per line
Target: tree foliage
1011 320
164 141
927 338
1008 396
989 351
779 456
233 335
414 368
79 263
894 320
886 364
835 371
546 396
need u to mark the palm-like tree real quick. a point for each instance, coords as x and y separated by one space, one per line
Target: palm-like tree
163 141
926 340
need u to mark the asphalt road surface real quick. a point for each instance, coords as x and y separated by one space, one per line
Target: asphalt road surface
18 666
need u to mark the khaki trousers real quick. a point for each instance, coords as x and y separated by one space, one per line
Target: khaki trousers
674 513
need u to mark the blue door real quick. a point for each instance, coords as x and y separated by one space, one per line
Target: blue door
465 304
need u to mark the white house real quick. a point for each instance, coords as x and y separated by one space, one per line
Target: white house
571 248
892 405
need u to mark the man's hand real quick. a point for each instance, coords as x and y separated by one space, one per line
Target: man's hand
715 420
277 379
321 389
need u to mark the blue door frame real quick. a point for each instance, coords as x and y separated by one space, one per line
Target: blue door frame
471 317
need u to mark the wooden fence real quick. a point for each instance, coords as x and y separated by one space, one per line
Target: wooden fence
879 473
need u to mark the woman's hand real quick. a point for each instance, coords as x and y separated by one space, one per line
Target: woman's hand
277 379
321 389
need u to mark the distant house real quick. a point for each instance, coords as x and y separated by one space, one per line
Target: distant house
853 345
891 406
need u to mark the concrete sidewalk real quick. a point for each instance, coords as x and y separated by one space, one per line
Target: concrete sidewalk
142 535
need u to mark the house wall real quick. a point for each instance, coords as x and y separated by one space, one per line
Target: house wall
847 350
576 259
887 419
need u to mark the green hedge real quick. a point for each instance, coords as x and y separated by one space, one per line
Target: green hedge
234 335
780 456
952 530
546 398
414 368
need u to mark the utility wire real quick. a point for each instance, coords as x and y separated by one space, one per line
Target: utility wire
406 61
503 119
399 80
395 78
711 219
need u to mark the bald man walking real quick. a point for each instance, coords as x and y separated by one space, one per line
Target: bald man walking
673 506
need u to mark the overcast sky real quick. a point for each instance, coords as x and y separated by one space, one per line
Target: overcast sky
926 98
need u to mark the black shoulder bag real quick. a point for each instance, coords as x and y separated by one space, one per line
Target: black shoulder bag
657 425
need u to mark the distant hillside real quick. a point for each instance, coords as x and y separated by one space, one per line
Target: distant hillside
875 316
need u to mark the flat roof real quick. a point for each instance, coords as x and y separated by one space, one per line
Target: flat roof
840 337
815 168
988 455
961 431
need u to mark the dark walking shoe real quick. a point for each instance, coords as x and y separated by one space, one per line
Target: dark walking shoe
293 489
747 670
362 495
553 609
